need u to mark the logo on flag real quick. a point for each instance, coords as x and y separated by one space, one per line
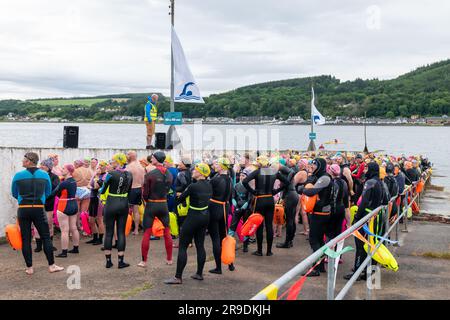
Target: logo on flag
186 89
187 94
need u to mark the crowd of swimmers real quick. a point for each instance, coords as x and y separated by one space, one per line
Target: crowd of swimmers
210 196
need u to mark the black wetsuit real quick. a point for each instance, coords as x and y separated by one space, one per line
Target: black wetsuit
95 201
339 202
116 208
218 213
263 202
393 188
31 187
50 202
242 208
290 197
371 199
157 185
320 217
195 224
183 180
412 175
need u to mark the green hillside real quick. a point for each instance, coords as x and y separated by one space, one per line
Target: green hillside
424 92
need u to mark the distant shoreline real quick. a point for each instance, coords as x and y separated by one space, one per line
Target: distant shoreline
244 123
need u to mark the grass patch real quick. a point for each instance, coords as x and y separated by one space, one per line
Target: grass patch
135 291
435 255
68 102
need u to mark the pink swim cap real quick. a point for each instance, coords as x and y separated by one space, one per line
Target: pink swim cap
69 167
335 170
304 162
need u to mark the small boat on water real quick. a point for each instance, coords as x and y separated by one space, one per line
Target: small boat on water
335 141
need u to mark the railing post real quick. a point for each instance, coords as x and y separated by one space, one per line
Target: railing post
405 217
369 281
396 225
331 276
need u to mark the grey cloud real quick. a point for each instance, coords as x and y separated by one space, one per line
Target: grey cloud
52 47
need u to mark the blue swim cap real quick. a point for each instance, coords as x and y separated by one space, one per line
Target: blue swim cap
282 161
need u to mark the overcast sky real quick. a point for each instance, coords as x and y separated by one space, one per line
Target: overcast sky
51 48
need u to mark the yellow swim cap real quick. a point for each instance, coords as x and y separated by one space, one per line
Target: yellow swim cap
203 169
224 163
120 158
169 159
262 161
103 163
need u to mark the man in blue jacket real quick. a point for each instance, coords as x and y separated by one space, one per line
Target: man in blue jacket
31 187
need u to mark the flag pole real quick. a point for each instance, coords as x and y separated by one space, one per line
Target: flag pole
366 150
170 133
312 146
172 139
172 84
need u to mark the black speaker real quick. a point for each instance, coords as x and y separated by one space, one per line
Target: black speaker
160 142
70 139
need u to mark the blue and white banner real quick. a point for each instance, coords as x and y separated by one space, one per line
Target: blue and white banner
317 117
186 89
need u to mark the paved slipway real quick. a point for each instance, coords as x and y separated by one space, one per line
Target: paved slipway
418 277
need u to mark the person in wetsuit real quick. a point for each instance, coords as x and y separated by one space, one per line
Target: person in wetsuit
67 211
157 184
290 199
411 173
168 163
218 209
241 202
31 187
371 199
183 180
340 202
393 188
263 203
47 166
118 182
320 217
196 222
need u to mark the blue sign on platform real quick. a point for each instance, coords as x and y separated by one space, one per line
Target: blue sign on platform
312 136
173 118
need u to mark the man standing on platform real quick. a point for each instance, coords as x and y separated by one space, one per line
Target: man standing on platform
151 113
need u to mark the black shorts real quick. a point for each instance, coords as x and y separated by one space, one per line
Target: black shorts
135 197
93 207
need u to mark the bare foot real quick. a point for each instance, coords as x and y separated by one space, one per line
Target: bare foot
54 268
135 233
175 245
169 262
142 264
29 271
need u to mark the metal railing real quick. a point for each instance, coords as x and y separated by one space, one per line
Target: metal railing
271 291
